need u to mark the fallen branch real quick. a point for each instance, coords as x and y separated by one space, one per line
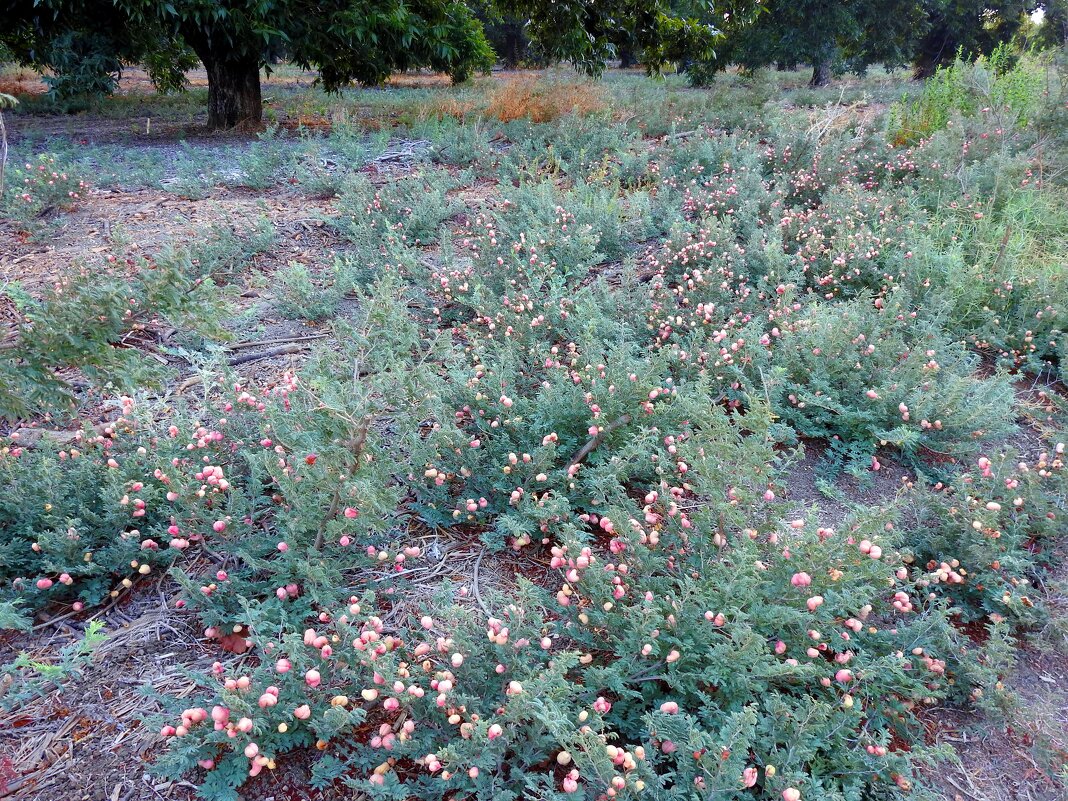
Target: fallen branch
193 380
3 153
265 354
120 595
335 502
1001 250
32 437
277 341
189 383
6 101
402 152
474 583
595 441
58 619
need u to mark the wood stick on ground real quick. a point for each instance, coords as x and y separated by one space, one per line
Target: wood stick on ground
3 153
294 347
589 447
474 583
276 341
1002 248
335 502
193 380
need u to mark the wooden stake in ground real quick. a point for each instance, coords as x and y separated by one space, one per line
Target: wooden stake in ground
6 101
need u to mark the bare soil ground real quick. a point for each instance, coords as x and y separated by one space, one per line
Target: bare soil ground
1004 755
84 739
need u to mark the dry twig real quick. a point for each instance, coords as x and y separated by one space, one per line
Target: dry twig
589 447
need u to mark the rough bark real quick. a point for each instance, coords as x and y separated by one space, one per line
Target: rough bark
821 74
233 92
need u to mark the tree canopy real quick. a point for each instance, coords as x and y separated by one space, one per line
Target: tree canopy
973 27
850 35
344 40
83 44
829 36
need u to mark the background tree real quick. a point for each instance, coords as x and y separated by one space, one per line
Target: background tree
588 34
972 27
83 45
1053 27
830 36
344 40
730 19
1053 31
1043 29
506 32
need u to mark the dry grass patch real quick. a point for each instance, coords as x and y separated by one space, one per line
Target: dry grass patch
532 97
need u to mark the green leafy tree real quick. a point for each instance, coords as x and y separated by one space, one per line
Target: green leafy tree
972 27
831 36
1052 29
651 32
729 19
86 42
361 41
506 32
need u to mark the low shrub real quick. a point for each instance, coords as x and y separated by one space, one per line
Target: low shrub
585 375
86 322
413 208
981 540
36 678
668 661
315 175
997 84
195 174
864 374
113 504
547 432
460 144
258 164
914 119
585 149
82 518
301 295
1007 289
223 250
39 188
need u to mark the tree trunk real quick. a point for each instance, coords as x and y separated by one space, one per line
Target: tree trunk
923 67
233 92
513 48
821 74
